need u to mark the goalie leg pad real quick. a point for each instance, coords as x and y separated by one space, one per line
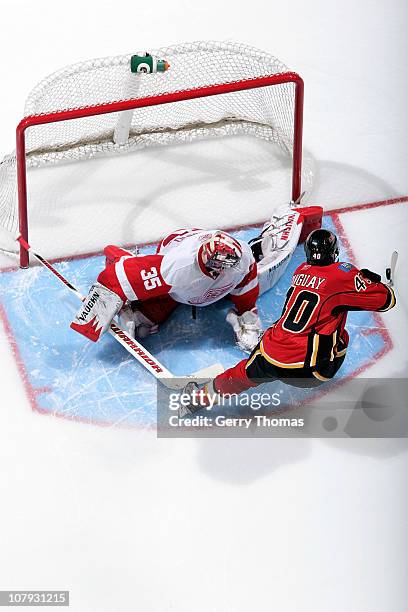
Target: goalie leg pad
311 218
280 237
114 253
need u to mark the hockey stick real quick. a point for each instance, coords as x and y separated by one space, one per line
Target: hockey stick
298 200
131 345
390 272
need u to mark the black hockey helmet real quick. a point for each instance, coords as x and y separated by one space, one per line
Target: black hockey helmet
321 248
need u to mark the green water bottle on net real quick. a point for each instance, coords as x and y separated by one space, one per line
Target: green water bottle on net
146 63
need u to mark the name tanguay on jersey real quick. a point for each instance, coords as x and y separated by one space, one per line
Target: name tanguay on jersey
307 280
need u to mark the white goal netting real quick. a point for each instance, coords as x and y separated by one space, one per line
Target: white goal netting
266 113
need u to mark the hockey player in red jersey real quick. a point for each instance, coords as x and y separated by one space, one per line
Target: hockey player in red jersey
307 344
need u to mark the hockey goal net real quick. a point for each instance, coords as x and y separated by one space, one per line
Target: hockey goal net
100 109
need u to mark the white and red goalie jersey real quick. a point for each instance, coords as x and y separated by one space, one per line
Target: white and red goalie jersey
177 270
175 274
195 267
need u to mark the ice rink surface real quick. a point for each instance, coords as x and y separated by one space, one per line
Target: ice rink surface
129 522
67 376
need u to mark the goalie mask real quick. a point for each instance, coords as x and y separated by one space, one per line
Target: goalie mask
220 252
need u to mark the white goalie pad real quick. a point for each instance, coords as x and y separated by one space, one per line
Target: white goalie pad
279 240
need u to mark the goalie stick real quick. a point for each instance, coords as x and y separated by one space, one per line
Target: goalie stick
133 347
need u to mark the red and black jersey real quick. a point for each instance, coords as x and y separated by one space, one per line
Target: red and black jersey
311 327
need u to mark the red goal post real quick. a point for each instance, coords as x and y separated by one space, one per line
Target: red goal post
165 98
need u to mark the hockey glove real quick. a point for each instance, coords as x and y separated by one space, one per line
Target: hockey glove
135 323
371 276
247 328
200 396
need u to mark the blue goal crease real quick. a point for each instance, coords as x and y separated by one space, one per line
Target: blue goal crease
101 382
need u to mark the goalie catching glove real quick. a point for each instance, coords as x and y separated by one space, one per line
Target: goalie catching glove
135 323
96 313
247 328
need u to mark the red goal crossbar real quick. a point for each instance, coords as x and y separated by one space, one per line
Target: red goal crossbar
165 98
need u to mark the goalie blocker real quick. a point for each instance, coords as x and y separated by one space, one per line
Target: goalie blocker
96 313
